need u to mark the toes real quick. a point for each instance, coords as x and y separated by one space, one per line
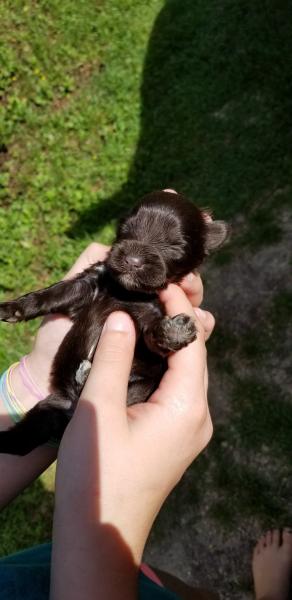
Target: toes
269 538
261 544
257 548
276 536
170 190
287 537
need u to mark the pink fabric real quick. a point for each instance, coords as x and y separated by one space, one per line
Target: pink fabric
150 573
28 381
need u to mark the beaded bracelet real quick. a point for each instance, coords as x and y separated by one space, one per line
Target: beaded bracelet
13 406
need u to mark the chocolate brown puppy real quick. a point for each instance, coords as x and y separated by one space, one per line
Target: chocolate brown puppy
165 237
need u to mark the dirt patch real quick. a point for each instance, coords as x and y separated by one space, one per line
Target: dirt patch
81 76
3 154
187 540
239 292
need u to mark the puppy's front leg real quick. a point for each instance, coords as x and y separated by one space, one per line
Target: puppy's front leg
65 297
170 334
46 419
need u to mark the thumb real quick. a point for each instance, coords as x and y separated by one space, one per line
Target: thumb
107 384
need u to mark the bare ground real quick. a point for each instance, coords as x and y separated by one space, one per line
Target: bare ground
187 540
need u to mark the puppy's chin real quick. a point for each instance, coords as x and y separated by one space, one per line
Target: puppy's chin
132 283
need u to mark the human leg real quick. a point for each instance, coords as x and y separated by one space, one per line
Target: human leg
272 565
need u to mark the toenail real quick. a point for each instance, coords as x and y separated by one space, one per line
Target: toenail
170 190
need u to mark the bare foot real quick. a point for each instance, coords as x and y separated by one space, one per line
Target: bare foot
272 565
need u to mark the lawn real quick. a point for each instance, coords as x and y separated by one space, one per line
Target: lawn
101 101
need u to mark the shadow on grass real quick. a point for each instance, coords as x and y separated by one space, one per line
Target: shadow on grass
27 521
216 103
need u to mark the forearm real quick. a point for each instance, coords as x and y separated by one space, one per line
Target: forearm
90 559
99 532
97 544
17 472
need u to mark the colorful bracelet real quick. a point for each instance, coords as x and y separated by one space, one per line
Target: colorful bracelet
13 406
28 381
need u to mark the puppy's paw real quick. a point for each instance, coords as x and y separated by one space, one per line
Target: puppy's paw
172 334
9 312
177 332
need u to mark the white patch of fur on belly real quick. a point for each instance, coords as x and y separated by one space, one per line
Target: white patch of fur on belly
83 372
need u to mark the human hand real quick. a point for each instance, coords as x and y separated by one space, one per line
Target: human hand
17 472
54 327
117 464
50 335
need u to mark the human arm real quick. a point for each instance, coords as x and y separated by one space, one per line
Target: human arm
17 472
117 465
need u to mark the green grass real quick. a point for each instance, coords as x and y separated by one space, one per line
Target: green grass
101 101
68 125
70 77
28 520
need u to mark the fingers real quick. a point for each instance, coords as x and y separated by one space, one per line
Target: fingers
186 370
92 254
182 392
207 321
107 383
192 285
176 302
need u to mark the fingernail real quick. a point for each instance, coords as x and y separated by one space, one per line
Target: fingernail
118 321
190 277
200 313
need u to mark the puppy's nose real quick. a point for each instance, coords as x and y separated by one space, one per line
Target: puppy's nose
134 261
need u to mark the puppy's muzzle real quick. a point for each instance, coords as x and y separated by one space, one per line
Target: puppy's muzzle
137 265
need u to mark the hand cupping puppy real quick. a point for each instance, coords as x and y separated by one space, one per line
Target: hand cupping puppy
39 362
54 328
126 460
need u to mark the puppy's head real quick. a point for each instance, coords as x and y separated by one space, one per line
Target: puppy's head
164 238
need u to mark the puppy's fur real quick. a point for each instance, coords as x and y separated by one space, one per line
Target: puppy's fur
164 238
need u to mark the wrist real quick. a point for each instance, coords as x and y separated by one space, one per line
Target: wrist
26 395
132 518
134 536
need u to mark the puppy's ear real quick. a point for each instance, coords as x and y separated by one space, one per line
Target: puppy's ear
217 234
